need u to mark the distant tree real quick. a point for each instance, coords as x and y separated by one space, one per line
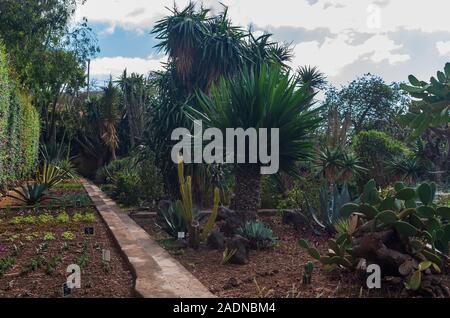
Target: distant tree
370 103
47 52
109 117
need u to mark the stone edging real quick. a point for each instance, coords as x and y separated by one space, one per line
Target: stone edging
158 275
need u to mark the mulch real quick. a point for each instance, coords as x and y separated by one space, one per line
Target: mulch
274 273
99 279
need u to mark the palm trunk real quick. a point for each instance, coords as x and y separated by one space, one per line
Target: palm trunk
247 191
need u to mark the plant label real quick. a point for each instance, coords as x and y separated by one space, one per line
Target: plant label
66 290
106 255
181 235
89 231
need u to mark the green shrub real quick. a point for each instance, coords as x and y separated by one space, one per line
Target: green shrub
133 180
128 188
259 235
296 199
271 194
375 149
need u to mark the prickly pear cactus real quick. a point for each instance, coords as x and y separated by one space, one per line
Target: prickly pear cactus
405 233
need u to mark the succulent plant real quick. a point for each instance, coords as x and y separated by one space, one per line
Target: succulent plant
329 208
405 231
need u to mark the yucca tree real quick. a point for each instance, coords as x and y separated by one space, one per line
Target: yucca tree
182 34
406 168
265 99
109 116
311 77
351 167
135 90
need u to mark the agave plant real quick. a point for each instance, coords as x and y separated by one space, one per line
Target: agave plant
50 175
406 168
266 99
30 193
329 212
171 220
259 235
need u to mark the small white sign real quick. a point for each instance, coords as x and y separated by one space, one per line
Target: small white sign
106 255
181 235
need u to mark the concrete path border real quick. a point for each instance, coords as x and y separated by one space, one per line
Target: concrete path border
158 275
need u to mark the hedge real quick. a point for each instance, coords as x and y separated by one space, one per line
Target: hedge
19 128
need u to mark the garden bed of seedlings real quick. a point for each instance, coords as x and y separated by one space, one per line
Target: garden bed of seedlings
38 244
277 272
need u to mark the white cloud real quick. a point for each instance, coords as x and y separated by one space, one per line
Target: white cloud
336 15
337 53
102 68
443 47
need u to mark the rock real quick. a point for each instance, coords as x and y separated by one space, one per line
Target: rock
216 240
164 205
240 244
231 283
229 221
295 218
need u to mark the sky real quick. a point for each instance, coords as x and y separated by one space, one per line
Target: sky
343 38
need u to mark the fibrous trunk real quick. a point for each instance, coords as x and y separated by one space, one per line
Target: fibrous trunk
247 191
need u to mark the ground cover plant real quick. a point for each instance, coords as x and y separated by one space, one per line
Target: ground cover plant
37 245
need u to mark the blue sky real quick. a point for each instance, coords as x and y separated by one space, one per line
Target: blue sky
344 38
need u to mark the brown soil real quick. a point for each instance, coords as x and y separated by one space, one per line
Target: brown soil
97 278
272 273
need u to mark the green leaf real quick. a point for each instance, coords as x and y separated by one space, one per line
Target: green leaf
303 243
425 265
410 204
369 211
414 220
406 194
399 186
413 80
415 281
426 211
433 224
314 253
447 70
443 211
387 217
441 77
387 204
425 193
432 257
348 209
405 228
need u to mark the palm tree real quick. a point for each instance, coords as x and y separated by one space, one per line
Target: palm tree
265 99
109 116
311 77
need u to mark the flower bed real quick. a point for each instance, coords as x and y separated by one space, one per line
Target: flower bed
37 246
